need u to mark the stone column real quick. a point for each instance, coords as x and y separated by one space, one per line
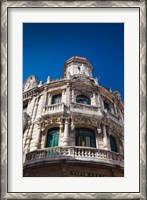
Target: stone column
94 98
49 99
44 100
115 109
61 136
121 116
66 132
72 135
112 108
105 138
68 94
37 138
72 95
99 104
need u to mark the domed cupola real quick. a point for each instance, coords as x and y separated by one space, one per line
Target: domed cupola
77 66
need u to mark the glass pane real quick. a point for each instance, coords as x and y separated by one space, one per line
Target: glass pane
83 99
56 99
87 142
85 137
113 144
83 141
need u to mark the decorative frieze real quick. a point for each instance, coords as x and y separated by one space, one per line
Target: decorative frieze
43 123
87 120
84 92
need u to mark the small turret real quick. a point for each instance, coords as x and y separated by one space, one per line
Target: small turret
77 65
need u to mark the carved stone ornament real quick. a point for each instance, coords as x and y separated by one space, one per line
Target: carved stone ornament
81 78
84 92
26 121
113 127
87 120
99 130
30 83
43 123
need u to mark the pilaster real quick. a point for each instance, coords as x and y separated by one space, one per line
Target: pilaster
68 94
66 132
105 138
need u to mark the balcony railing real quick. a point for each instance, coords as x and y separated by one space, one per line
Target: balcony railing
29 94
84 108
78 153
54 108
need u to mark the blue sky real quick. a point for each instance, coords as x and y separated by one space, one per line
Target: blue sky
47 46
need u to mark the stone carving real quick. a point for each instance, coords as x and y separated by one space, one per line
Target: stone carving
26 121
81 78
83 92
48 79
44 122
30 83
83 107
86 120
112 126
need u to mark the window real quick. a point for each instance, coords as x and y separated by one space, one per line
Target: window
113 144
85 137
106 106
56 99
52 137
83 99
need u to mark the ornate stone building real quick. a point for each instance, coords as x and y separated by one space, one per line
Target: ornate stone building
72 126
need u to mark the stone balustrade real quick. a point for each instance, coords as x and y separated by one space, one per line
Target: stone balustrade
55 107
83 108
29 94
78 153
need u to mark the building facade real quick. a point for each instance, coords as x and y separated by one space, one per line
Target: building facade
72 126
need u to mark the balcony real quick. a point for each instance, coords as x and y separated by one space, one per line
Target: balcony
114 118
54 108
75 153
85 109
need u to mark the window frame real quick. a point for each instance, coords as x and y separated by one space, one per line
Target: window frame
88 135
83 96
116 144
56 96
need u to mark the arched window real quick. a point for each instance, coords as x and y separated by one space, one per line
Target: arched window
52 137
56 99
113 144
83 99
107 106
85 137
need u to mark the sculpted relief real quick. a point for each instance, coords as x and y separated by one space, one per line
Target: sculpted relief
30 83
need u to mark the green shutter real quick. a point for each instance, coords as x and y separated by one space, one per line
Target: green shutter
53 137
